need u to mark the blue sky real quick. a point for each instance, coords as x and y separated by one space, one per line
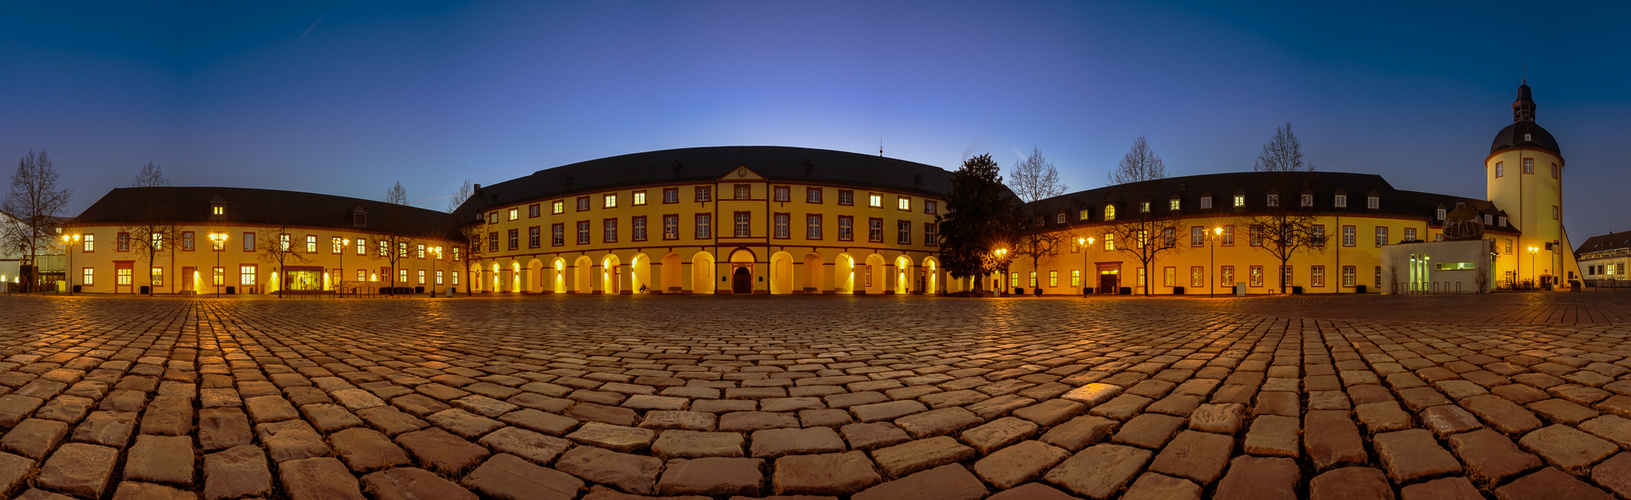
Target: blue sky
347 99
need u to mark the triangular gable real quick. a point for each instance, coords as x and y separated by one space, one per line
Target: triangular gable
742 173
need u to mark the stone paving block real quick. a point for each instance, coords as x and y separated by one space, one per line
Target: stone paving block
712 476
1149 430
1224 418
79 469
1566 447
829 417
1491 457
291 440
1450 488
1100 471
1614 474
630 473
1331 439
830 474
867 436
1153 486
14 408
1559 411
613 437
327 418
367 450
132 490
13 471
1194 455
169 416
1444 420
1013 465
442 452
1257 478
318 479
1031 491
676 443
912 456
1093 394
950 482
1273 435
1413 454
772 443
530 419
998 434
1550 483
65 409
412 484
1614 428
507 476
270 409
1350 482
34 437
160 459
886 411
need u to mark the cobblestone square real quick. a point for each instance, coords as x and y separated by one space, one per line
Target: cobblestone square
602 397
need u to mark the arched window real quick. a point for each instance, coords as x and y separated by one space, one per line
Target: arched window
1109 212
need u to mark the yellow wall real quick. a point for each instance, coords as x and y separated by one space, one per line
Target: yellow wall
688 264
1529 200
175 260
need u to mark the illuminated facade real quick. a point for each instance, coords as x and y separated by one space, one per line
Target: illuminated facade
725 220
208 239
1603 259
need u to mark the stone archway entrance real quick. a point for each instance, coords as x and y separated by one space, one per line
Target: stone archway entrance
742 280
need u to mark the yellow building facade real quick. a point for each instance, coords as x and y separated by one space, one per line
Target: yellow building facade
722 220
226 240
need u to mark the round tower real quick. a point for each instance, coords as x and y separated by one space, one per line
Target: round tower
1524 178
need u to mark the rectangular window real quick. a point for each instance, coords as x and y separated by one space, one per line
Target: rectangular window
1273 200
1381 236
812 195
1169 237
1240 200
1554 212
609 201
1206 202
1255 236
1173 204
402 276
532 213
246 275
1256 276
704 193
88 276
1500 169
903 203
1378 277
1053 279
874 200
1349 275
1109 242
515 213
1013 279
1529 165
1141 277
157 241
1410 234
743 191
671 195
1075 278
535 237
1169 276
1508 246
438 277
249 242
1229 236
420 251
1059 218
557 207
455 278
1341 201
421 276
639 198
336 245
158 276
220 276
1307 200
1197 236
744 224
89 244
187 241
874 230
705 226
1197 276
492 217
782 223
1226 276
639 228
929 237
514 239
283 242
122 242
903 232
930 207
1144 207
1373 203
846 197
609 231
1349 236
812 227
362 246
455 254
671 227
583 232
362 275
402 249
846 228
1032 282
1316 276
783 193
311 243
1317 235
583 203
1285 277
557 234
1555 171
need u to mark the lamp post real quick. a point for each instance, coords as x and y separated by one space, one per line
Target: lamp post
218 275
339 284
1533 275
999 253
436 267
70 241
1217 233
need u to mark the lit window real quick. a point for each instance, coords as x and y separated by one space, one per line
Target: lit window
1083 214
874 200
1053 278
903 203
311 243
337 242
402 249
121 276
639 198
1240 200
438 277
89 277
610 201
90 243
515 213
1144 207
246 275
1075 278
157 241
420 251
421 276
362 246
218 210
1109 242
1173 204
492 217
557 207
1197 276
1109 212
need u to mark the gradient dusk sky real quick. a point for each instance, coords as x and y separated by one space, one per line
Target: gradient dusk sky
348 97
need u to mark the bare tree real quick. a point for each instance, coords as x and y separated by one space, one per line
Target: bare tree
471 246
459 196
34 201
396 195
151 234
1283 153
276 246
1139 164
1034 179
1146 224
1286 224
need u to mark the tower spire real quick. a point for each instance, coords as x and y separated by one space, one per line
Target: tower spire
1523 109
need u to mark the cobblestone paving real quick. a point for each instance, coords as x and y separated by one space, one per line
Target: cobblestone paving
863 398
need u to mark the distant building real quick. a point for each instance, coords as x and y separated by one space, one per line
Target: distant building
1603 258
329 243
48 260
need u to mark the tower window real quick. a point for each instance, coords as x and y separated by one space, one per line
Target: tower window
1529 165
1526 138
1500 169
1555 171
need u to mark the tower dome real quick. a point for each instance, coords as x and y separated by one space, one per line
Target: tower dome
1524 132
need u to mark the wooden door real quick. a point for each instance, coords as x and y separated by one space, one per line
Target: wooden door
1107 283
742 280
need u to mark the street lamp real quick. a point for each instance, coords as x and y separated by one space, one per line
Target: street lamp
1217 233
218 275
339 284
70 241
1532 273
999 253
436 267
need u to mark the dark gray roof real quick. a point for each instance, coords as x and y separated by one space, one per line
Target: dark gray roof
1610 241
1256 186
191 205
1513 137
778 163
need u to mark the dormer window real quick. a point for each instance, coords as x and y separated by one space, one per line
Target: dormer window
1240 200
1503 221
1109 212
1144 207
1274 200
1059 218
1308 200
1341 201
359 219
1440 214
1173 204
1083 214
218 210
1488 220
1206 202
1373 202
